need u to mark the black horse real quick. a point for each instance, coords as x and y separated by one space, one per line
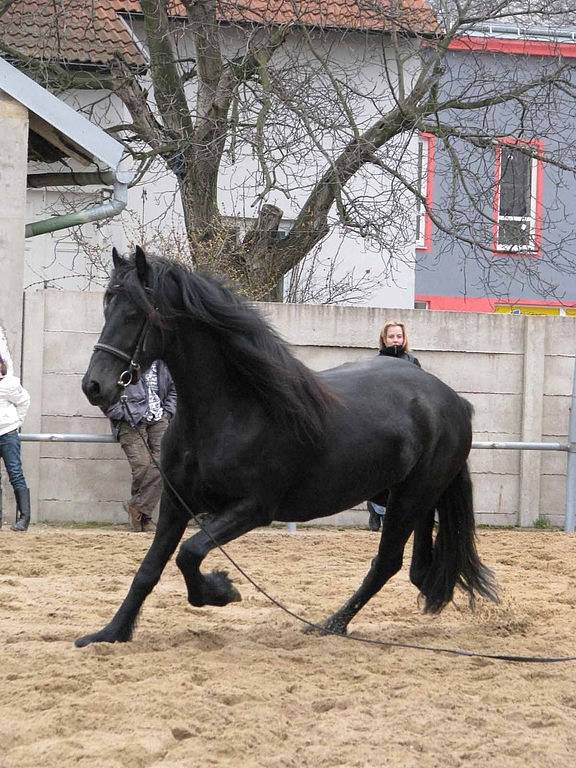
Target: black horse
259 437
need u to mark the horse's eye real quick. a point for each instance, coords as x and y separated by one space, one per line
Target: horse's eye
108 297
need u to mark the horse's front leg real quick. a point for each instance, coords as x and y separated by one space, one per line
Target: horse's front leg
171 525
215 588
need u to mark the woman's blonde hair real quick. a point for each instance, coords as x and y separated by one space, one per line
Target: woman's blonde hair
384 331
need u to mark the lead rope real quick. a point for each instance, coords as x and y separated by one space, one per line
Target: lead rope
319 627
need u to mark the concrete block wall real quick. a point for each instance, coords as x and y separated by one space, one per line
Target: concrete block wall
69 481
516 370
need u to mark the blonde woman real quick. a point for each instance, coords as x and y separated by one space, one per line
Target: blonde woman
394 342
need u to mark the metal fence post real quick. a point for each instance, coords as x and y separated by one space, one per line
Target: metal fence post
570 512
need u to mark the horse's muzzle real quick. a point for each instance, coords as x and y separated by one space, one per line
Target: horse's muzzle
91 389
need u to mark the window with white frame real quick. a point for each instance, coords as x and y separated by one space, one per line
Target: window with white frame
516 198
423 168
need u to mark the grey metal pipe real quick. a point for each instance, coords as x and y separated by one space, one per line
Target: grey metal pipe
95 213
525 32
45 437
520 446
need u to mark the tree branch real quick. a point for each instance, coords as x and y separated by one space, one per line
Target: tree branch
312 222
503 96
204 27
4 5
134 97
168 86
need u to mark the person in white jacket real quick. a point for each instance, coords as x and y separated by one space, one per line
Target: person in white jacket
14 402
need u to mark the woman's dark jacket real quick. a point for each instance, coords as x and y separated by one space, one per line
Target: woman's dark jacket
137 395
408 356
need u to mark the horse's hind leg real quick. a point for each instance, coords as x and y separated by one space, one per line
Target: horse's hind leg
215 588
402 513
422 549
171 526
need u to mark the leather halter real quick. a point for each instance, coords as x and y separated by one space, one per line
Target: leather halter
132 374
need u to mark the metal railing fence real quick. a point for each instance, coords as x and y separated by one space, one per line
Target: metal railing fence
569 448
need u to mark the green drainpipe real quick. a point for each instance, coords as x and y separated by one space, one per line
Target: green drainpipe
101 211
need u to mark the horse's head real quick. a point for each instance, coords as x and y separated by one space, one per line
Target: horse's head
129 341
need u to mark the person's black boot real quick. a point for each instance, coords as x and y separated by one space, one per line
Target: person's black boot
374 518
23 509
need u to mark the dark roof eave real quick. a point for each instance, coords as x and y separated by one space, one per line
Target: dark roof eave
327 27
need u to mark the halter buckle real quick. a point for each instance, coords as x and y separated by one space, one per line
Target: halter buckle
130 375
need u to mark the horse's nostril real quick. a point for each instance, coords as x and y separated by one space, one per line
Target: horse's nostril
91 389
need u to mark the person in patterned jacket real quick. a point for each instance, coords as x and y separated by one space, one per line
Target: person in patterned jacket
151 403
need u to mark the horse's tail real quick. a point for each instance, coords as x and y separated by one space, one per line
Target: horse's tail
455 560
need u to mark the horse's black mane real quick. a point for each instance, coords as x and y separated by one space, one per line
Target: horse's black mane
288 389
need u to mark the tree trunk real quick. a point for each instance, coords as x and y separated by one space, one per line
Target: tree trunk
216 248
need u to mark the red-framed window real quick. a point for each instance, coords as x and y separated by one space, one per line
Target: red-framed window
425 169
517 225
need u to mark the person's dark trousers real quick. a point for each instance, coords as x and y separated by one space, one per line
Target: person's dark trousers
146 481
374 518
376 513
10 454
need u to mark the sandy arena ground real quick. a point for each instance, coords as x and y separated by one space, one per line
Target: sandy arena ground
242 686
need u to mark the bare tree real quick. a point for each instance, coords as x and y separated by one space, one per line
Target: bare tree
271 111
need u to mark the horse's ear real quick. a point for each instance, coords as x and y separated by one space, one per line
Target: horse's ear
117 260
142 268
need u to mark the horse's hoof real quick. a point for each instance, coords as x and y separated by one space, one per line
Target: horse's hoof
82 642
103 636
217 589
328 627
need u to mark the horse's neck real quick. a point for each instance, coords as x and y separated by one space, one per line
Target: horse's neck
198 368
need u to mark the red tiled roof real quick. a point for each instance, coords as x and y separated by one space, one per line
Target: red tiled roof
78 31
91 31
415 15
